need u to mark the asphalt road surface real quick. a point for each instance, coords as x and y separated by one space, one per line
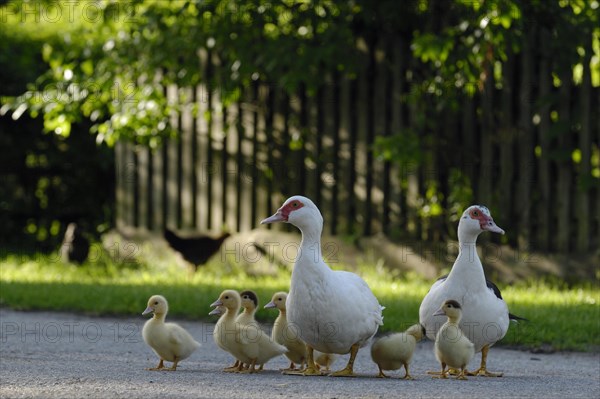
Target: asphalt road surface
59 355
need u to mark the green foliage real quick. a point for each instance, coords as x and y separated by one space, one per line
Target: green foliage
47 180
460 196
403 147
431 48
50 181
112 71
107 62
104 67
559 316
461 45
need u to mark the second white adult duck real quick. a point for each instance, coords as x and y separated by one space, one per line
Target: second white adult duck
334 311
486 316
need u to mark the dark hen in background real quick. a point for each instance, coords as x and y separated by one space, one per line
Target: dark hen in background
196 250
75 247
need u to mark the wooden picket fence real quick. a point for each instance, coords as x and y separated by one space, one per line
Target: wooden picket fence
524 147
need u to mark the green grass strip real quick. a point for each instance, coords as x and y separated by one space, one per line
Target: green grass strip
561 318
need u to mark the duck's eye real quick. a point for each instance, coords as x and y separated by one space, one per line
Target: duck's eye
295 204
227 297
156 303
475 213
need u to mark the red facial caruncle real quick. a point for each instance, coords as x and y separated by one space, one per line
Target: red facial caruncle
289 208
283 213
486 222
478 214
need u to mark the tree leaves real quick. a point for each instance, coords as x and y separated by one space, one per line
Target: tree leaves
114 58
432 48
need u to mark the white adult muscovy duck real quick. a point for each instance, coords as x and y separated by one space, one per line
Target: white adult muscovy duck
333 311
485 314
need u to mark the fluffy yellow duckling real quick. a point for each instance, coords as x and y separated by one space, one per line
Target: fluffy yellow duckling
219 311
246 319
396 350
452 347
250 346
168 340
283 334
324 360
227 306
249 306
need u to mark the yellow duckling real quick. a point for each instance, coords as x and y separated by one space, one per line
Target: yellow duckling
168 340
249 345
324 360
246 319
283 334
396 350
227 306
249 306
452 347
219 311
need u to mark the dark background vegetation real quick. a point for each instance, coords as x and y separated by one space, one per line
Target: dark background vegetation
515 81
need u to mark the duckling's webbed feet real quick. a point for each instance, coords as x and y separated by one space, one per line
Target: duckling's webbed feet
309 371
291 368
407 375
381 373
235 367
161 366
311 367
251 369
461 376
441 374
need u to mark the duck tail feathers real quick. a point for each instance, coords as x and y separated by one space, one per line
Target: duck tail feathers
515 318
